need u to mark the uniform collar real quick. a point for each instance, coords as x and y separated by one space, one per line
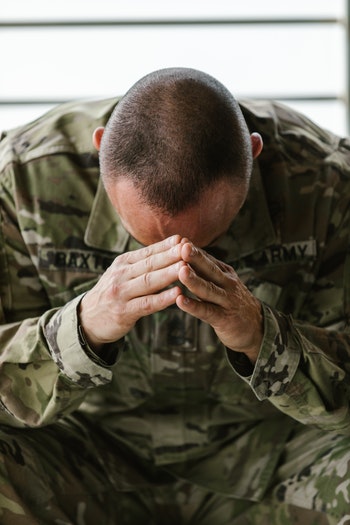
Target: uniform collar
251 231
105 230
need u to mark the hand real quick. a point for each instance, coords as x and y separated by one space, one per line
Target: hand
135 285
221 300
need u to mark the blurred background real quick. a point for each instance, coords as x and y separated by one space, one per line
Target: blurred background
295 52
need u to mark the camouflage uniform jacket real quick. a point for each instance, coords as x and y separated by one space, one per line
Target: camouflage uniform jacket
175 396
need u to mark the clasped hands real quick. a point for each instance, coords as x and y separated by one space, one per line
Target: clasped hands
145 281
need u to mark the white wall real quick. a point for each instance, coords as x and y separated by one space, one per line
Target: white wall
60 63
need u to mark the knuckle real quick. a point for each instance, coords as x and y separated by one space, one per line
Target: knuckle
116 290
146 305
213 289
148 262
146 279
147 252
122 259
228 268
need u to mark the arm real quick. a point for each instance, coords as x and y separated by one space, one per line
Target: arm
44 371
302 367
304 371
44 167
304 363
36 387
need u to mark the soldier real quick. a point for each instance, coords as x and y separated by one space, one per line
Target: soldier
175 312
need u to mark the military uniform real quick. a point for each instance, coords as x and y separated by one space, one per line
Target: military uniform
175 426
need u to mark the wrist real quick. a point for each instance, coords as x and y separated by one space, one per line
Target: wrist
85 341
105 354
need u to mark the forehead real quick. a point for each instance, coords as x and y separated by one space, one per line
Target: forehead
201 223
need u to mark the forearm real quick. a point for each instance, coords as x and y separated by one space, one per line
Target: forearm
303 371
44 371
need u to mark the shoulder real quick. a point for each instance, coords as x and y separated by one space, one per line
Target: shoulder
280 123
67 128
294 144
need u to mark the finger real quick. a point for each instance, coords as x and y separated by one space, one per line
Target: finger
156 261
149 304
205 290
146 260
205 265
201 310
157 248
154 281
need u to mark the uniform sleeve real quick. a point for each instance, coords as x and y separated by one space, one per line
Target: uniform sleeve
304 371
303 367
44 371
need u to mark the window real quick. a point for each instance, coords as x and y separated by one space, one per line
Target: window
291 51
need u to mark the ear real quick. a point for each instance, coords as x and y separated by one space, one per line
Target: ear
257 144
97 137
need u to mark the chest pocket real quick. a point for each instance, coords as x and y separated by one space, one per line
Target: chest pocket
266 292
60 299
288 298
283 286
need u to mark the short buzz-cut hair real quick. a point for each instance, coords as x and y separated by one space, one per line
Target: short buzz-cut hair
173 134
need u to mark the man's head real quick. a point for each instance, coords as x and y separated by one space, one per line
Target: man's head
177 149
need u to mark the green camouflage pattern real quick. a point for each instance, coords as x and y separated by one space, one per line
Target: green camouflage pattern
175 399
69 472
